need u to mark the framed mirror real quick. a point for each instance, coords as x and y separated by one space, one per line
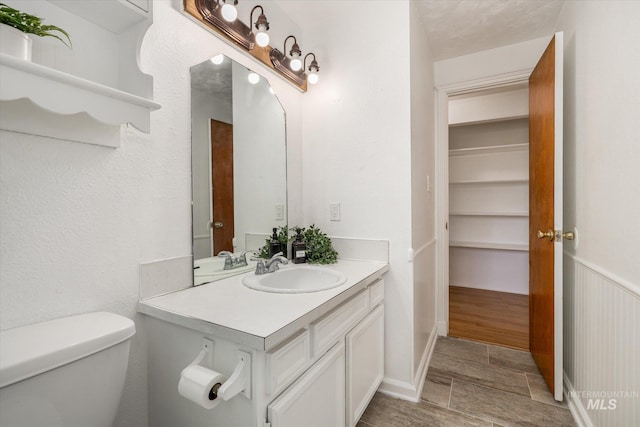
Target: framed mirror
239 166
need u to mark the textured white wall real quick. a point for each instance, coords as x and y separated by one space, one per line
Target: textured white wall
77 220
601 153
357 148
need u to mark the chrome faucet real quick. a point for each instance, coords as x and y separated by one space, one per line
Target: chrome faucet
231 262
271 265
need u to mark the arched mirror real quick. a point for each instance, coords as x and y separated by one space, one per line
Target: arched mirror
239 167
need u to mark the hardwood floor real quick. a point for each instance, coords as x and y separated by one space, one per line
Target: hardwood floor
488 316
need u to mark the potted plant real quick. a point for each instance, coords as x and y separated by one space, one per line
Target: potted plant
15 27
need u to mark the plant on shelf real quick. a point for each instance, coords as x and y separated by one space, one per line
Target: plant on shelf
31 24
319 247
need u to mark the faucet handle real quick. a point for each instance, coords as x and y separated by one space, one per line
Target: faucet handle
260 269
243 257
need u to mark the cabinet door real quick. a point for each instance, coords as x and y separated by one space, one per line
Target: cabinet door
317 398
365 363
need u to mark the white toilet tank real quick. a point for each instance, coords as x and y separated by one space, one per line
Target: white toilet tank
65 372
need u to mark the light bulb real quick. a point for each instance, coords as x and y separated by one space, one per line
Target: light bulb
262 39
312 78
218 59
295 64
229 12
253 78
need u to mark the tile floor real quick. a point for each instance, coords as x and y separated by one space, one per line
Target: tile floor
474 384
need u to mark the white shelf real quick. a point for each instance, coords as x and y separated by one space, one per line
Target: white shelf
489 181
509 214
61 93
489 150
490 245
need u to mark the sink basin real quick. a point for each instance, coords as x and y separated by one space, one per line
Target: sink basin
295 280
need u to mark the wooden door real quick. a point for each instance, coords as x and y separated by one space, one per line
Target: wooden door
222 186
545 213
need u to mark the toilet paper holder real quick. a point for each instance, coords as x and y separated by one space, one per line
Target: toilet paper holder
238 382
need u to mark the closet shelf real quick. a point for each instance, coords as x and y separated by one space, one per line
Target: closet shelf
489 149
499 214
62 93
490 245
490 181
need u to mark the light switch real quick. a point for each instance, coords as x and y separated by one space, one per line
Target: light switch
279 211
334 211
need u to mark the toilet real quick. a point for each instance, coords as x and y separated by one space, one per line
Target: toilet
64 372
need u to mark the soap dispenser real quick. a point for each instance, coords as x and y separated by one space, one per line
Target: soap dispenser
299 248
274 244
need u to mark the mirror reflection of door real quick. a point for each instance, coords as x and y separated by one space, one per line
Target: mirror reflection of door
222 186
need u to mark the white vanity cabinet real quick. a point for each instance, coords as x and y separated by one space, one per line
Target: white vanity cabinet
336 390
317 398
319 364
365 364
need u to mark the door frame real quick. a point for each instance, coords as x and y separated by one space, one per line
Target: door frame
443 93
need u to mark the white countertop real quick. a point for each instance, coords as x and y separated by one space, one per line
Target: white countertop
257 319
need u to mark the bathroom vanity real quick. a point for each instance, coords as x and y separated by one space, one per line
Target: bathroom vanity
314 359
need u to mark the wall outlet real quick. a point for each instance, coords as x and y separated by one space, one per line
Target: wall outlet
334 211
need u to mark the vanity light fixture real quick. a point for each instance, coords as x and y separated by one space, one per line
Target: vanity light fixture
295 53
262 26
312 76
253 78
218 59
229 11
221 17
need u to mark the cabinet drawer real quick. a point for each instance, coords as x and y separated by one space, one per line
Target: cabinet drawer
334 325
376 293
287 362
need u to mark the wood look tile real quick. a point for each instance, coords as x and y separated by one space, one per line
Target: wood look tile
385 411
437 389
510 358
462 349
540 391
504 408
480 373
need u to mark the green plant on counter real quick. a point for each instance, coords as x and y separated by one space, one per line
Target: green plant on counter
283 238
30 24
319 247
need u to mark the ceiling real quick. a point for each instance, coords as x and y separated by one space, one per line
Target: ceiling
456 27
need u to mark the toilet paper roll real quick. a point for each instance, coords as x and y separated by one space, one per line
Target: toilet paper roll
196 383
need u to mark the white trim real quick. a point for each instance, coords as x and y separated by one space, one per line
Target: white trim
558 211
616 280
576 408
421 373
424 247
411 392
442 179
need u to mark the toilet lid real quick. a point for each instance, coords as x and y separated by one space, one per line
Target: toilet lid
30 350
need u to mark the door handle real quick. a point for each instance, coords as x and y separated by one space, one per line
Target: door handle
550 234
556 235
216 224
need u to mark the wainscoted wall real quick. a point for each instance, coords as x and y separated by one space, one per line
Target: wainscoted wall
601 345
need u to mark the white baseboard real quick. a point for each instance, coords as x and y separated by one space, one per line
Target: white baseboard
578 410
442 328
406 391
